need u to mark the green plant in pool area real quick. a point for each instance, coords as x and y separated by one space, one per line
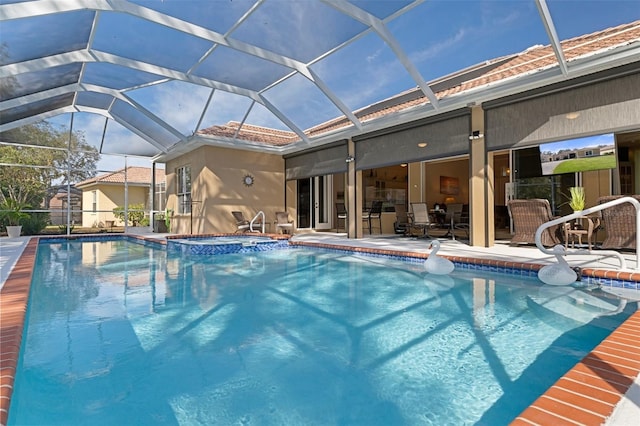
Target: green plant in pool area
63 228
577 198
167 218
11 212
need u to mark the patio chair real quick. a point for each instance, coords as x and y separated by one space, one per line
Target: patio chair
341 215
401 225
527 216
619 223
420 219
454 220
283 223
374 213
242 224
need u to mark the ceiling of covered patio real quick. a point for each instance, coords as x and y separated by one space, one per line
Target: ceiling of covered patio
153 77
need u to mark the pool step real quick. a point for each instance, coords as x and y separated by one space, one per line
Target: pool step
571 303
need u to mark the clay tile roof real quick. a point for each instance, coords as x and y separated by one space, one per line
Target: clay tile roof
135 176
534 59
252 133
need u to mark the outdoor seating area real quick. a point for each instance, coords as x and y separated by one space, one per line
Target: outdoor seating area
282 225
341 216
611 228
619 224
402 223
420 220
527 216
373 217
242 224
586 227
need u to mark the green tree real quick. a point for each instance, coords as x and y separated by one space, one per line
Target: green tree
27 173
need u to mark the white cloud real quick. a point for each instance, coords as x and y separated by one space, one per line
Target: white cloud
436 49
181 104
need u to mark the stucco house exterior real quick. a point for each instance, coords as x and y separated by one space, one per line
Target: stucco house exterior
58 206
470 150
103 193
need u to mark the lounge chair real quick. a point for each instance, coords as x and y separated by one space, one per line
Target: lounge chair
374 213
420 219
242 224
283 223
619 223
341 215
527 216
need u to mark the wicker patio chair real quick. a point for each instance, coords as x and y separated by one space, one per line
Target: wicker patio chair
619 223
527 216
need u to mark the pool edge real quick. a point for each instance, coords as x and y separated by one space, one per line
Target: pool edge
13 308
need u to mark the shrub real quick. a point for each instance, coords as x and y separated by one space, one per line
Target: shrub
136 213
35 223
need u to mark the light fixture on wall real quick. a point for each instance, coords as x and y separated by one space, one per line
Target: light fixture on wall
403 165
422 144
476 135
572 115
506 171
350 159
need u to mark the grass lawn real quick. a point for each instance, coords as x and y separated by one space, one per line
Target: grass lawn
585 164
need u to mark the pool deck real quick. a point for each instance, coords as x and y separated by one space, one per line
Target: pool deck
603 388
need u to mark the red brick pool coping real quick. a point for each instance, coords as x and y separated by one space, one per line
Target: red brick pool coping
587 394
13 308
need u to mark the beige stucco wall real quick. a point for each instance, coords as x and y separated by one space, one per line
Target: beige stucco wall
109 197
217 188
596 184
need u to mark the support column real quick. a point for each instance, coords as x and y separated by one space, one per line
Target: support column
353 198
480 184
152 197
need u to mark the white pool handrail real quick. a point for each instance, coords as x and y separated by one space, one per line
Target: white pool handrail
264 219
575 215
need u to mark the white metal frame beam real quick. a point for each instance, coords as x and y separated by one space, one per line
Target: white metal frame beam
547 21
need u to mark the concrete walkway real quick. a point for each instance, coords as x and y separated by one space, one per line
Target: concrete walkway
10 251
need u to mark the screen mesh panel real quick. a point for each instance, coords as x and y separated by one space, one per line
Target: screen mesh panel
600 107
448 136
317 162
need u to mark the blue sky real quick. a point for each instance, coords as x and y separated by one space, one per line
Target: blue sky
439 37
586 142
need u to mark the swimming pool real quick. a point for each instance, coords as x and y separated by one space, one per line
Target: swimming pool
119 333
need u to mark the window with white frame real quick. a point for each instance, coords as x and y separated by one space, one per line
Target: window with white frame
183 189
94 194
161 196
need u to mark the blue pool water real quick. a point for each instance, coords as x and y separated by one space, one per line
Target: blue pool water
120 333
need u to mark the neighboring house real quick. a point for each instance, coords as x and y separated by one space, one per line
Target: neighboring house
567 154
103 193
58 206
